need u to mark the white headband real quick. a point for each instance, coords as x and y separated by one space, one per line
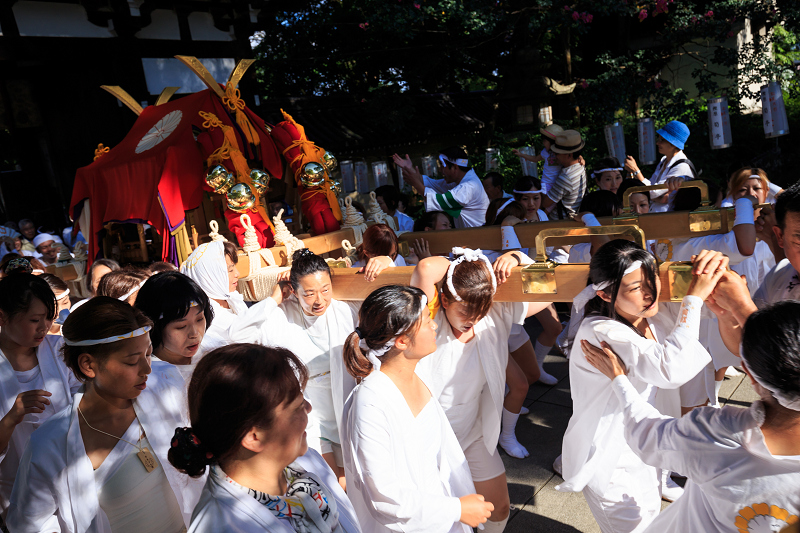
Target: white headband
596 172
459 162
130 292
374 354
756 176
789 402
500 209
108 340
65 293
191 304
533 191
468 254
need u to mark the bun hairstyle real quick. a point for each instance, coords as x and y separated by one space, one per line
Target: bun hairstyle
601 204
608 265
233 389
771 347
514 209
379 239
17 291
305 263
99 318
108 263
118 283
472 281
387 312
168 296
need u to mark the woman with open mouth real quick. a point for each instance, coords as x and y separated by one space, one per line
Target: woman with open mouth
658 342
181 313
101 464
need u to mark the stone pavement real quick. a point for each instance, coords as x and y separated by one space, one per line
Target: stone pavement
535 504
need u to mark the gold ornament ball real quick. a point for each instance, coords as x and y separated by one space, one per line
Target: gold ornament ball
329 160
336 187
219 179
313 175
259 179
241 198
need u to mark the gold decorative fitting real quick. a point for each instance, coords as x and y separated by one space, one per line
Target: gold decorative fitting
680 278
540 277
100 151
704 218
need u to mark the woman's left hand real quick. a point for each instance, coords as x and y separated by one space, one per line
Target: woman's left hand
604 360
375 266
503 266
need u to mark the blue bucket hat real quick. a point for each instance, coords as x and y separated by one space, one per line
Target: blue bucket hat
676 133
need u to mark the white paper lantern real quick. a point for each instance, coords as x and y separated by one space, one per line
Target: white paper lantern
400 181
719 124
348 176
615 140
773 111
362 177
429 166
529 168
380 171
491 160
646 128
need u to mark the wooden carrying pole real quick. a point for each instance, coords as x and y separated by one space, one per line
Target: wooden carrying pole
706 220
321 244
348 284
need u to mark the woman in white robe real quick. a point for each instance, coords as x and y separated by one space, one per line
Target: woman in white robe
34 382
213 267
467 372
181 313
742 465
248 420
305 319
405 468
659 344
100 465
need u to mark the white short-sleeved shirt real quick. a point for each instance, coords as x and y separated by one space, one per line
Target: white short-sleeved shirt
781 283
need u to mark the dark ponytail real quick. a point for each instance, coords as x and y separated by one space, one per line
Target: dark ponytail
305 263
233 389
387 312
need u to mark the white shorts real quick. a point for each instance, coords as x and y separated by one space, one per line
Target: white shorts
482 465
632 499
517 338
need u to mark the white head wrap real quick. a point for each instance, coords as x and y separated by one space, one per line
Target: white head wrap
467 254
532 191
459 162
500 209
598 172
42 238
207 267
373 354
108 340
788 401
130 292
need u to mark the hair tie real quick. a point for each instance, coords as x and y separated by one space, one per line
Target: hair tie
358 332
373 354
467 254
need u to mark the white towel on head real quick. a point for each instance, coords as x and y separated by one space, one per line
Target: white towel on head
207 267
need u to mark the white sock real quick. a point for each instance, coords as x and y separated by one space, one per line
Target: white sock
508 438
541 353
495 527
717 387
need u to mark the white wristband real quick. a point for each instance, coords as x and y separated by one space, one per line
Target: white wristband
744 212
509 236
589 220
774 189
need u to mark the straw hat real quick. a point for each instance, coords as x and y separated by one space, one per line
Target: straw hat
567 142
551 131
